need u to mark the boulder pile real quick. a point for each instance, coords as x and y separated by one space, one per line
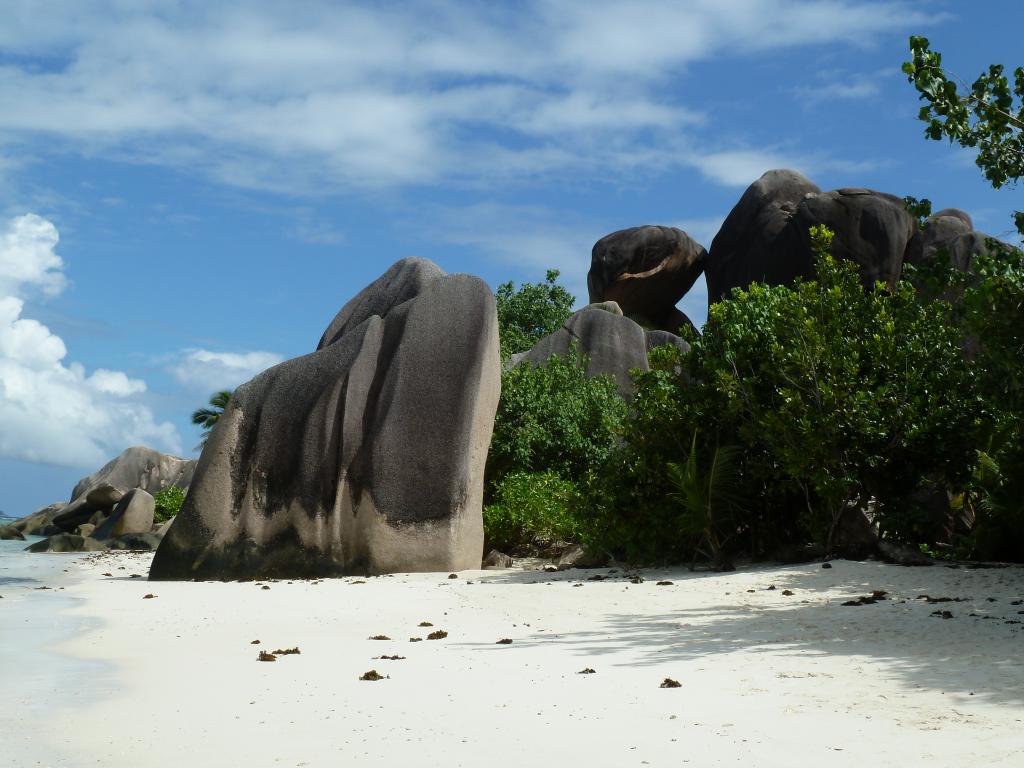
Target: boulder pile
114 502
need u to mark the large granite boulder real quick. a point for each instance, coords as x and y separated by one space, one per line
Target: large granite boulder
646 270
612 344
139 467
405 280
872 229
10 533
365 456
756 242
765 237
133 514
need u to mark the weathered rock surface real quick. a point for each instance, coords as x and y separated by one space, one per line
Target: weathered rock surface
613 344
74 514
34 524
496 559
10 533
86 529
577 557
646 270
756 241
104 496
139 467
872 229
765 237
133 514
406 280
949 232
364 456
67 542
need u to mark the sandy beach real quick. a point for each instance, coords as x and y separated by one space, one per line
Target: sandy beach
772 669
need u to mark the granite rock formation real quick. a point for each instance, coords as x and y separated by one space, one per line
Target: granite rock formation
612 344
139 467
366 455
765 238
132 514
646 270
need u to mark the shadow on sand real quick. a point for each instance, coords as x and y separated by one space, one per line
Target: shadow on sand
983 657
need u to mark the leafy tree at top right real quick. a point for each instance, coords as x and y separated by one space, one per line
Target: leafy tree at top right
988 115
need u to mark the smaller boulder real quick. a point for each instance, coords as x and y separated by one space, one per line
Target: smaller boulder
73 515
900 554
104 496
612 344
133 514
855 536
85 529
67 542
33 524
647 270
577 557
10 533
496 559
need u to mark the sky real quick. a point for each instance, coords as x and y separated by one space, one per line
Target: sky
189 191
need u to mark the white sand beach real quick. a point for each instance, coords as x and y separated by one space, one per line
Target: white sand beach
766 678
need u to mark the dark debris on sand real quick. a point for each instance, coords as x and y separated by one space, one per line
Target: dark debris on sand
874 597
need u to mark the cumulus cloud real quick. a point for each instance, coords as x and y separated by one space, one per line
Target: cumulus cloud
28 258
53 411
349 95
208 371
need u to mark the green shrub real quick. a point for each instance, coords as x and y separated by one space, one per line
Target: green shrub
989 304
528 315
532 511
168 503
554 418
832 395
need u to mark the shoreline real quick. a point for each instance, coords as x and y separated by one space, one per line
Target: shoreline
763 675
37 621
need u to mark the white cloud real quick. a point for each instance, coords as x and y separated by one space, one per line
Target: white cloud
27 256
344 95
52 411
742 167
702 230
208 371
532 238
838 85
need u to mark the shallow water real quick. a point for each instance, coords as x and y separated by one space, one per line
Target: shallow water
34 619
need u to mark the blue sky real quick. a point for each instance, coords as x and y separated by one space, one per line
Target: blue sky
189 191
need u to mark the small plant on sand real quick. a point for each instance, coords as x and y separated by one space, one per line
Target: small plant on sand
532 510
